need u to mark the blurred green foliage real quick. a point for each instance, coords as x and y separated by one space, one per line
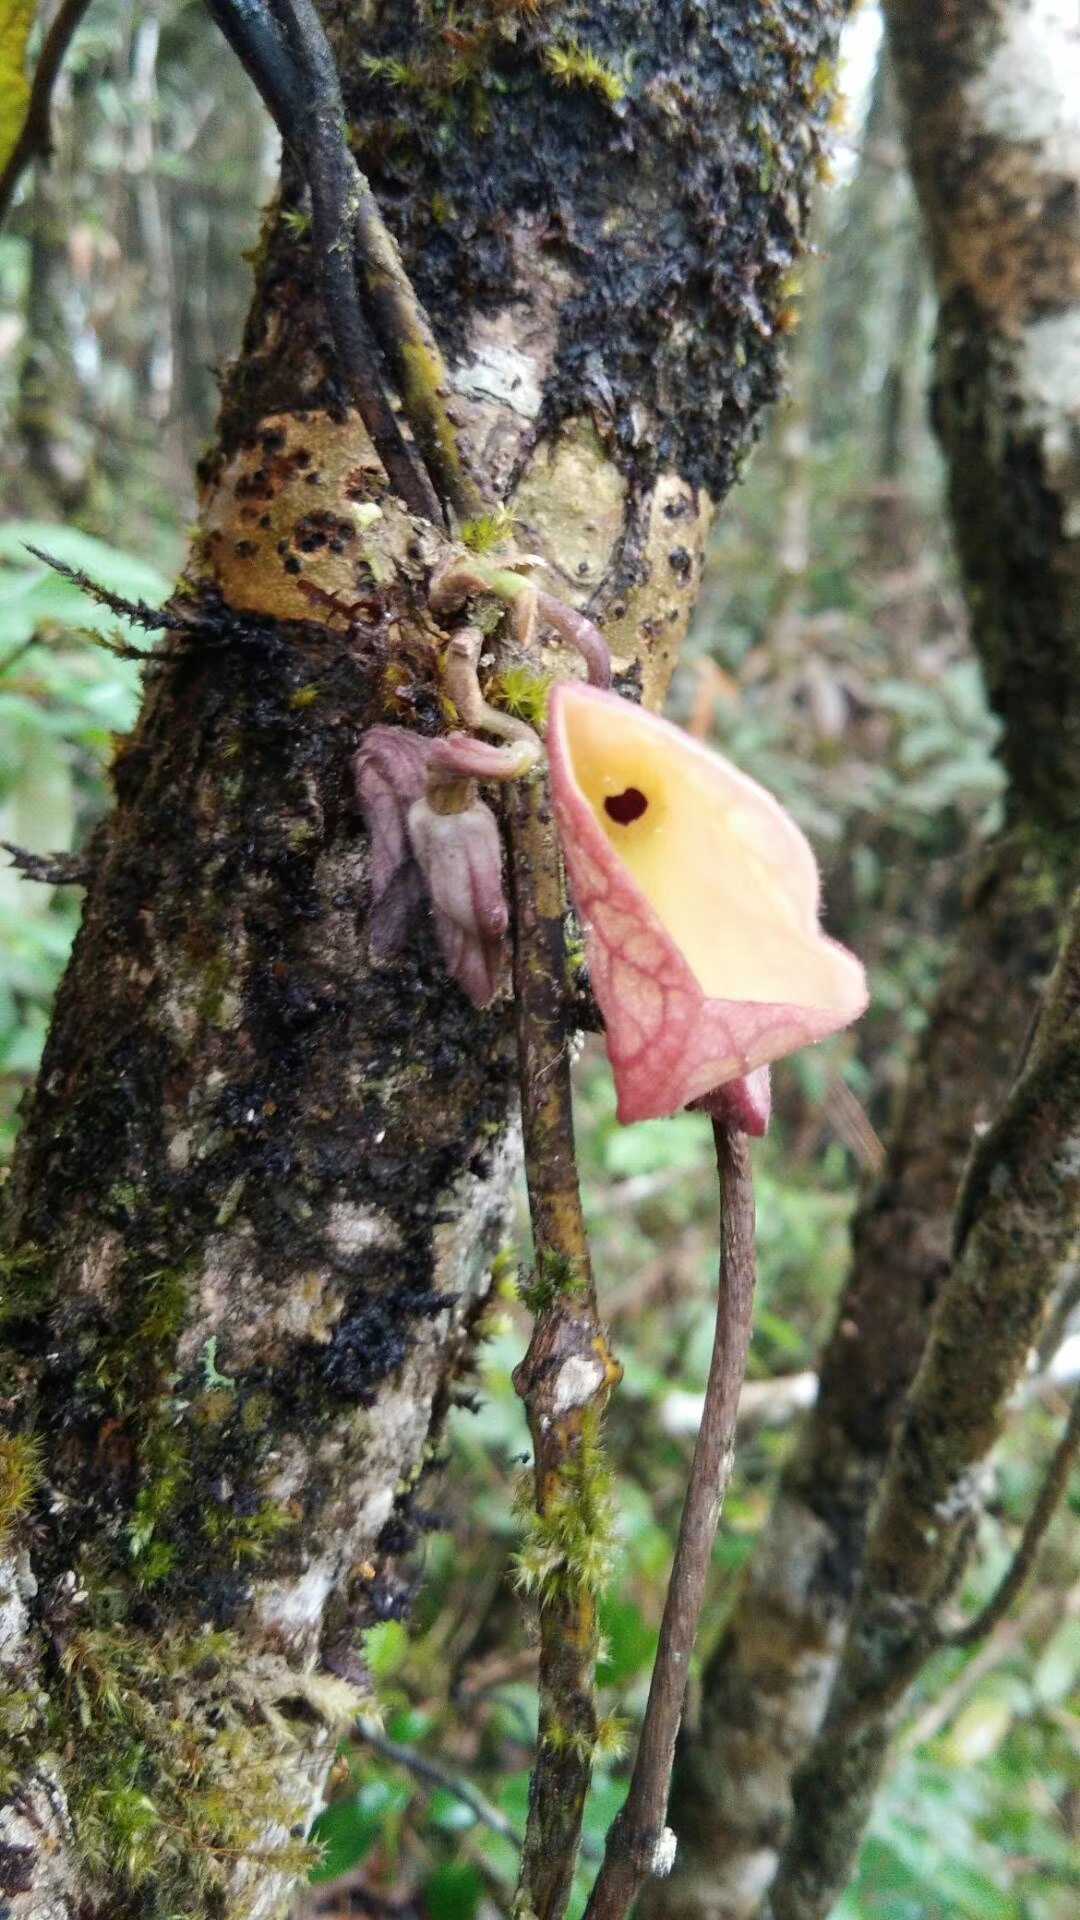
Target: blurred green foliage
63 697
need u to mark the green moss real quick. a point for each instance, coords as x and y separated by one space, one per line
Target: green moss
568 1548
180 1772
573 65
27 1285
246 1538
20 1473
488 530
165 1462
525 694
556 1277
141 1341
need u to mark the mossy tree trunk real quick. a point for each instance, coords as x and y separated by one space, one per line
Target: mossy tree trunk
261 1183
990 128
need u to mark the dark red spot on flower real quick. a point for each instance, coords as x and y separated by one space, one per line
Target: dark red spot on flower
626 806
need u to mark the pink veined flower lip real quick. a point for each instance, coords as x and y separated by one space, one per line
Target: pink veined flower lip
700 900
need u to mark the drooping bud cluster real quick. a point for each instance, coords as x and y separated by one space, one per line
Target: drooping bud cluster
433 837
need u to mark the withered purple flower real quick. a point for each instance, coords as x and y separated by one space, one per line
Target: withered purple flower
460 857
431 834
389 771
455 840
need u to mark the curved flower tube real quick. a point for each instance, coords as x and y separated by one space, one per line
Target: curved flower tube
700 899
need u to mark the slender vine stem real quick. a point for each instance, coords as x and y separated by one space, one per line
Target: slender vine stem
639 1843
564 1379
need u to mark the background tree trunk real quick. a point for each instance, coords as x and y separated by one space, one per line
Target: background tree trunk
990 127
261 1183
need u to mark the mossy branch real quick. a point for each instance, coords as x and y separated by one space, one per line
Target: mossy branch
1016 1218
564 1379
1020 1568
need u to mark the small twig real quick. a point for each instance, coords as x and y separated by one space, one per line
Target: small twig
35 140
139 612
51 869
564 1379
1022 1565
435 1775
344 211
639 1843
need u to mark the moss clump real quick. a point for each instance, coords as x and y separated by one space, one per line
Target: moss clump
130 1358
181 1773
488 530
26 1285
523 693
568 1548
573 65
246 1538
20 1472
556 1277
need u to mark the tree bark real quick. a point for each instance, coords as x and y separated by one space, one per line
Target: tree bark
262 1181
990 126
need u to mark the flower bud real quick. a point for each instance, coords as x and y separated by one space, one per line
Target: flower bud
460 857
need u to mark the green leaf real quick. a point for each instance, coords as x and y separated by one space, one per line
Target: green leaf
453 1891
449 1812
629 1640
386 1648
348 1829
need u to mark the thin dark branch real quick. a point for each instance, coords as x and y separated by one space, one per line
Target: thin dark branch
256 39
139 612
422 1767
51 869
1019 1571
637 1844
35 140
297 78
348 213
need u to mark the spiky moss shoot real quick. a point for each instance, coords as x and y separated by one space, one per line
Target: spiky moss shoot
556 1277
20 1473
568 1548
519 691
396 73
572 65
489 530
612 1738
181 1772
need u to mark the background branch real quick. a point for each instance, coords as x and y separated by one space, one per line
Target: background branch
35 140
1016 1224
1023 1561
634 1847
